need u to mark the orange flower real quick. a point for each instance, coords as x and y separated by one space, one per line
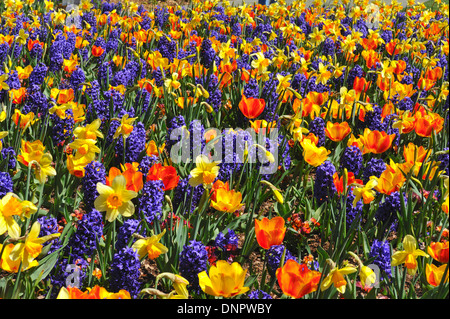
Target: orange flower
376 142
297 280
251 107
410 150
132 176
426 124
167 174
390 180
337 131
216 186
270 232
439 251
434 274
339 181
31 44
17 95
360 85
97 51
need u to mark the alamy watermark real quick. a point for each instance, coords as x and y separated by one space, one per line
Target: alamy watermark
227 146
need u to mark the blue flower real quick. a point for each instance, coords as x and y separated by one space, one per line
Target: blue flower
125 272
193 260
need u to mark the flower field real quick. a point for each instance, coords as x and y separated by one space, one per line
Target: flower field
217 150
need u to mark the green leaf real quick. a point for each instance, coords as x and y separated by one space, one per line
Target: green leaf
45 266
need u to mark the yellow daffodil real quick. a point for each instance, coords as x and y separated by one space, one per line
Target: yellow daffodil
115 199
10 206
150 246
366 192
204 173
224 280
125 127
90 131
30 249
85 148
336 277
366 274
408 255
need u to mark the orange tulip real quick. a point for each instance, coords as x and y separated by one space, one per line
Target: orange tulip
270 232
390 180
376 142
360 85
426 124
337 131
132 176
297 280
167 174
17 95
434 274
97 51
251 107
339 181
439 251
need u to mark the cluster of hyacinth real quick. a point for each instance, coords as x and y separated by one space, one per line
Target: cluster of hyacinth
337 113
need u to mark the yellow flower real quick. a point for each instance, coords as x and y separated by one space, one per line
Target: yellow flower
29 250
179 284
125 127
172 83
312 154
90 131
150 246
44 168
224 280
115 199
336 277
11 205
85 148
204 173
408 255
366 192
227 201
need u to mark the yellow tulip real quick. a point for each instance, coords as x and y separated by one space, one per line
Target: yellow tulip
224 280
312 154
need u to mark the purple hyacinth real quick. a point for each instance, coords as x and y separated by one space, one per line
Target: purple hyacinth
324 188
128 228
62 127
182 196
274 255
151 201
193 260
387 210
49 225
317 127
94 173
381 251
259 294
352 160
6 184
125 272
374 167
9 154
83 243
